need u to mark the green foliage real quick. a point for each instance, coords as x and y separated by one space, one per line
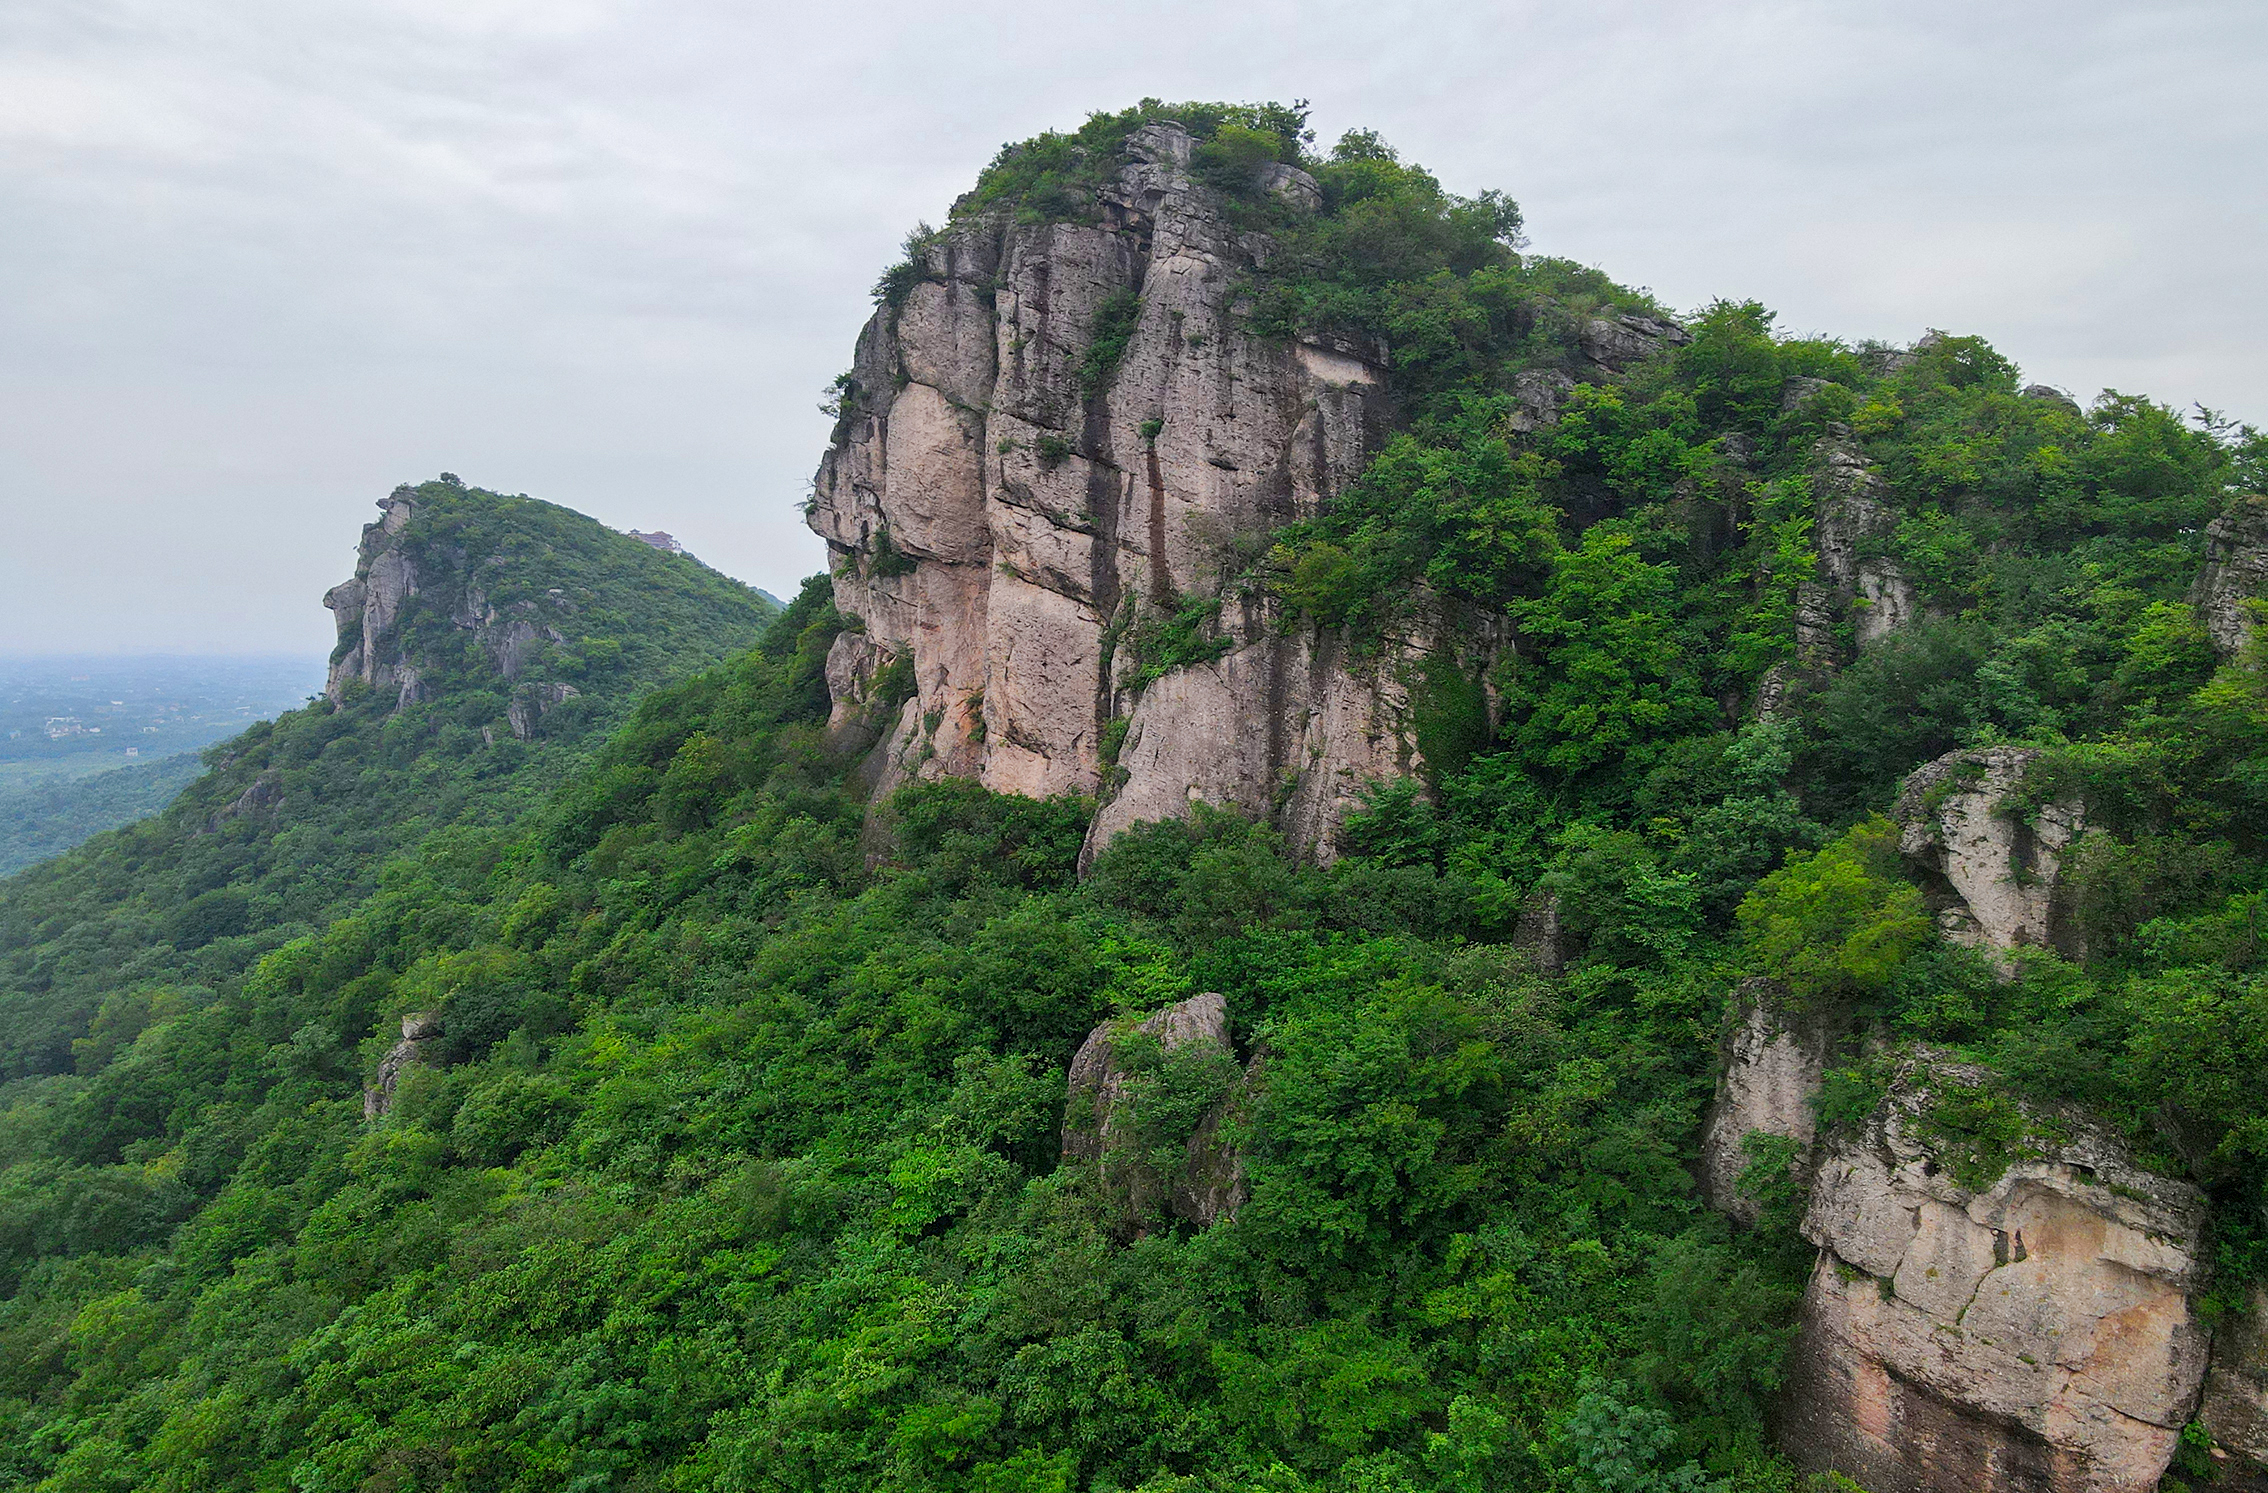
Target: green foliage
898 281
1837 923
291 825
43 820
735 1162
1053 177
1183 635
1107 336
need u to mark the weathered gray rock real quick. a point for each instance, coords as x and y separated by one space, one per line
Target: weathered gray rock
1292 184
2046 394
420 1031
1617 343
2236 1394
1773 1062
391 572
2234 579
1538 395
1799 391
532 702
367 605
1994 874
2036 1334
1543 937
1103 1122
1854 521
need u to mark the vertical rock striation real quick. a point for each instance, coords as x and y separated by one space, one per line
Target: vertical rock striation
2234 580
1007 499
368 604
1773 1064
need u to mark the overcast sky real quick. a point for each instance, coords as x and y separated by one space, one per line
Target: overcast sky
262 260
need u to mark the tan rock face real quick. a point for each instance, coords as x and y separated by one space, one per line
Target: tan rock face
2235 575
1773 1064
1996 874
2035 1335
1003 508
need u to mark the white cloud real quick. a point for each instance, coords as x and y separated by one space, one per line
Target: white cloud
266 259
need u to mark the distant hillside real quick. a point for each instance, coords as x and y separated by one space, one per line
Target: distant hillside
485 642
46 819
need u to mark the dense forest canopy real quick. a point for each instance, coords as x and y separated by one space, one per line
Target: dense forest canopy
734 1161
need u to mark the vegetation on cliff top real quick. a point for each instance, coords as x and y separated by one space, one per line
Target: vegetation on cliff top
296 818
734 1164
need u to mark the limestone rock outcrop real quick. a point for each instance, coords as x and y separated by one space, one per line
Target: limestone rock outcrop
2035 1334
1612 344
420 1031
2235 575
392 570
1105 1123
1855 519
1993 873
367 605
1063 431
1772 1063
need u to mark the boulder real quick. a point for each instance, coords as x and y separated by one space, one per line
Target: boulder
420 1030
1798 391
1614 344
2033 1333
1104 1121
1538 395
1993 874
2234 580
1291 184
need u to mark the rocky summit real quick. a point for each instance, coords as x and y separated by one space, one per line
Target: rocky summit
1379 864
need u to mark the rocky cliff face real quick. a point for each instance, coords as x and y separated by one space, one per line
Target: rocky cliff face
1994 871
1855 522
1006 503
392 569
2034 1329
2235 1409
2235 576
2036 1333
1773 1062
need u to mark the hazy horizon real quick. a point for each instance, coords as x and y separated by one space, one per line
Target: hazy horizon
269 262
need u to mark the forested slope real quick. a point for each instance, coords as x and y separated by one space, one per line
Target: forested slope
733 1150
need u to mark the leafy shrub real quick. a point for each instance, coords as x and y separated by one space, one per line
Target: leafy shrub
1839 922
